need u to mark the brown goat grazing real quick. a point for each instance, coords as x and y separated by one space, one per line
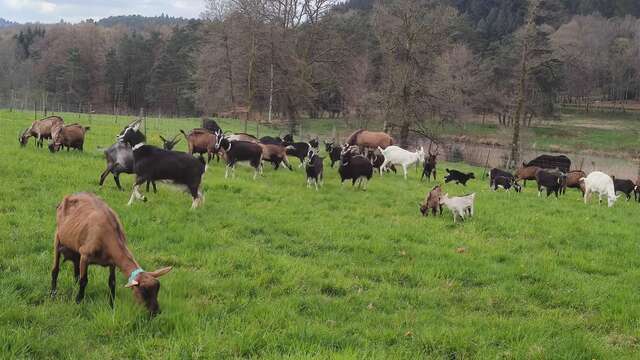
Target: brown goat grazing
275 154
89 232
40 129
71 136
573 181
526 173
202 141
369 139
432 201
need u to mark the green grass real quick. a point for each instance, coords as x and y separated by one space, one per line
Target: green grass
271 269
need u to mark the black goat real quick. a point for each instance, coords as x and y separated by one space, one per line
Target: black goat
239 151
624 186
211 125
553 182
270 140
495 173
151 164
354 167
314 168
333 151
458 177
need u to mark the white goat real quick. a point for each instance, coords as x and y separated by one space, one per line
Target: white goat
602 184
398 156
459 206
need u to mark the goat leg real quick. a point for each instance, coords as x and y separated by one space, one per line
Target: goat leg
112 285
55 269
105 173
83 278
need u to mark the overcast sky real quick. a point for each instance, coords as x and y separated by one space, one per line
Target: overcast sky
48 11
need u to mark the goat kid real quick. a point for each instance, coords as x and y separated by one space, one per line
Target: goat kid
459 206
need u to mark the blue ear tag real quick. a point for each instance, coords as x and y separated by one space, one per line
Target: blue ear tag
134 274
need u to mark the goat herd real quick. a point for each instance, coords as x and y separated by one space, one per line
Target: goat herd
89 232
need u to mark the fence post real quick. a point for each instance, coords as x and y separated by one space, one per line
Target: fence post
35 110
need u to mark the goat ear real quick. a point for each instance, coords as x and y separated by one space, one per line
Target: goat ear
132 284
160 272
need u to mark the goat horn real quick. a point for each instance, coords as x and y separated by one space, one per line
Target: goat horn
132 284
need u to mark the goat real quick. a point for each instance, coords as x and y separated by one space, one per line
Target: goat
169 144
211 125
151 164
458 176
242 137
430 163
602 184
314 168
238 151
354 167
275 154
119 158
298 150
69 136
573 181
89 232
552 182
624 186
559 162
526 173
459 206
398 156
202 141
40 130
506 183
271 140
432 201
503 179
369 139
377 159
333 151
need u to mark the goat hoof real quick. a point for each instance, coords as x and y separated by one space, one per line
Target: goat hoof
53 294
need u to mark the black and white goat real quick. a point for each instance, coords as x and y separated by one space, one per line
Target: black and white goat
151 164
333 151
314 168
241 151
300 149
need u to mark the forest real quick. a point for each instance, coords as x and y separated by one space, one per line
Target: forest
413 63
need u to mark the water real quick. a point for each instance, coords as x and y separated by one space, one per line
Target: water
494 156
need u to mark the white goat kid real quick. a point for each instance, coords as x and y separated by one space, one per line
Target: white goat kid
602 184
398 156
459 206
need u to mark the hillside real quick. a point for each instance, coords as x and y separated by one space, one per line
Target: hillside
6 23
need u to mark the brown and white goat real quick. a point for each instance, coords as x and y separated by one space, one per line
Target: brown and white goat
69 136
40 129
202 141
89 232
573 181
432 202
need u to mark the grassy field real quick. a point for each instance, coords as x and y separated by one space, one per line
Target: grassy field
271 269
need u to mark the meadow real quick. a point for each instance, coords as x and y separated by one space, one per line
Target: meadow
271 269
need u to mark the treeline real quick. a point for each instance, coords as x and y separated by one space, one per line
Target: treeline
414 63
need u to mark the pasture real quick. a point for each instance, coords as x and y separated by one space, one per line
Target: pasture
271 269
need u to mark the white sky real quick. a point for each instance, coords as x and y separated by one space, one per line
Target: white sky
51 11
